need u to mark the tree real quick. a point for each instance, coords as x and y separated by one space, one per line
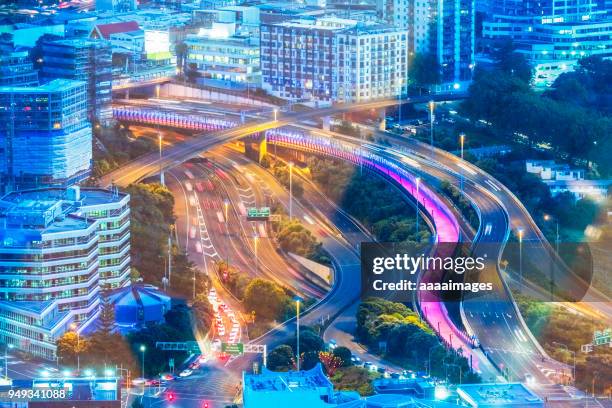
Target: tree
264 297
353 379
281 358
511 62
344 354
203 313
106 321
69 345
330 362
424 70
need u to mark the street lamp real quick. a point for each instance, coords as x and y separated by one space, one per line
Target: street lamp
275 114
297 321
552 266
574 356
418 183
290 190
431 123
160 138
520 235
8 346
549 218
143 348
73 327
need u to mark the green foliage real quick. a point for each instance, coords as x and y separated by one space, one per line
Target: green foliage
408 339
234 280
203 313
281 172
424 70
119 147
588 86
368 198
511 62
281 358
461 202
310 341
519 114
266 298
354 379
344 354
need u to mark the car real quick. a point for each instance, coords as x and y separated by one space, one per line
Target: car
355 360
195 365
221 331
167 377
367 364
395 376
185 373
381 370
529 379
332 344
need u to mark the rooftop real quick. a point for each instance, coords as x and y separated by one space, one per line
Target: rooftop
56 85
87 196
106 30
287 381
499 395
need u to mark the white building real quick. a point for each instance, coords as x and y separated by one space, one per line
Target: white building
57 248
550 170
224 56
330 59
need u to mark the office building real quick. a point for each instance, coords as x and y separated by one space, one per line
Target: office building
224 57
329 60
58 247
16 69
45 138
442 28
553 44
84 60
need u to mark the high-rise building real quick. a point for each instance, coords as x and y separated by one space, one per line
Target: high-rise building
333 60
56 248
442 28
83 60
553 36
16 69
45 138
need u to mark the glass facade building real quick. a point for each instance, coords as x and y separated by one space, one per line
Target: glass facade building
45 137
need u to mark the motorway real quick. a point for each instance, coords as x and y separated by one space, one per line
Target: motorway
495 321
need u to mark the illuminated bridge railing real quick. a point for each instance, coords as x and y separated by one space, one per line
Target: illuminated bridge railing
170 119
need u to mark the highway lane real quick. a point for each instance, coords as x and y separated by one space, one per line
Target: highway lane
493 317
150 163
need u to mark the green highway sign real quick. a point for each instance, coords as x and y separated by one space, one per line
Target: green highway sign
603 337
258 214
233 349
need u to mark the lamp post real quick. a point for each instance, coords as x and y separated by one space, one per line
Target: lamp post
290 190
73 327
143 348
8 346
418 183
574 358
431 105
520 234
552 266
160 138
297 331
275 114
